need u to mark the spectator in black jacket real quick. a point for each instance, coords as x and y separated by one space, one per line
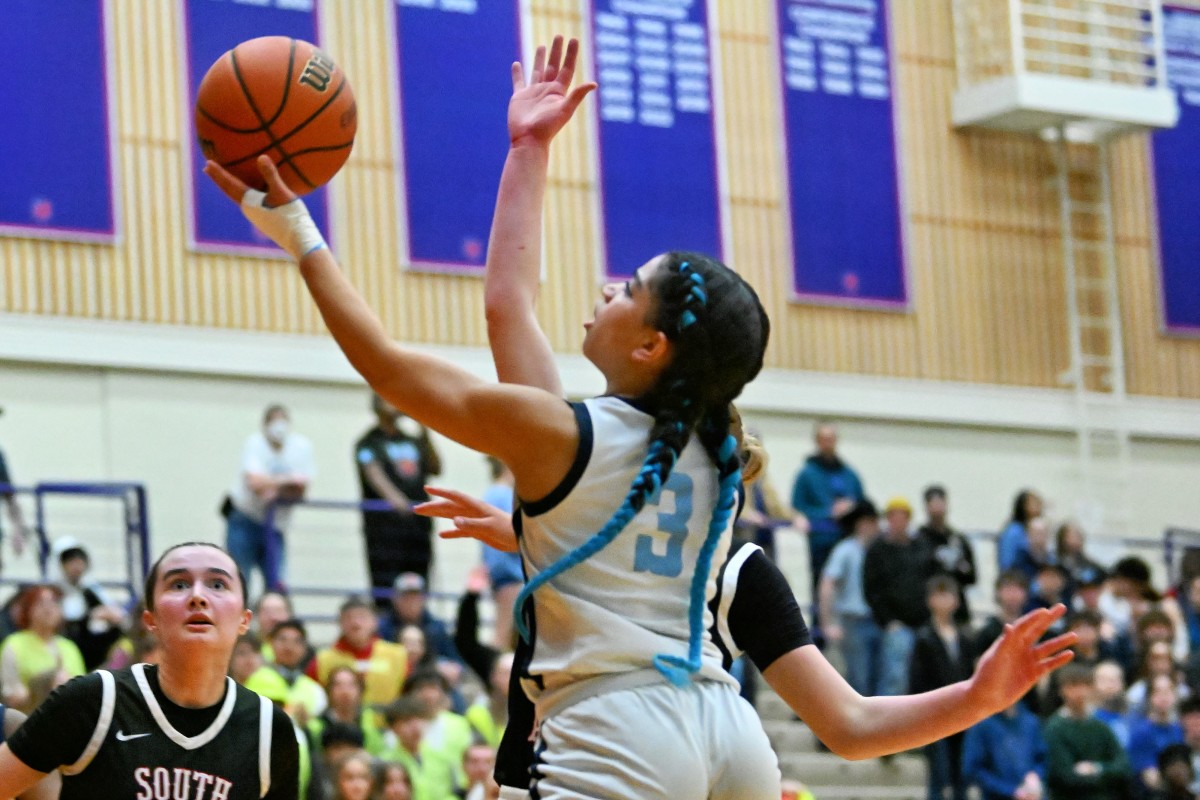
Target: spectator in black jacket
943 653
489 714
894 586
944 551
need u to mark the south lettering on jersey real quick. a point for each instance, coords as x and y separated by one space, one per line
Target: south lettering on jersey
163 783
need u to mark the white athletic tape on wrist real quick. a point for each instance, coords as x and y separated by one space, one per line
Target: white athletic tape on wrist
290 225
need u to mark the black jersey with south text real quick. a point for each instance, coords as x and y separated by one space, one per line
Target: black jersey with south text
116 735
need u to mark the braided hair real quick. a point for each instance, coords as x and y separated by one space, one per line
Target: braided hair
719 331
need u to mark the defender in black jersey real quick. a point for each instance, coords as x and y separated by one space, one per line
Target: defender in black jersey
182 729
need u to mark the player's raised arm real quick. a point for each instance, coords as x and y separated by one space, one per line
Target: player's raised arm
496 419
538 109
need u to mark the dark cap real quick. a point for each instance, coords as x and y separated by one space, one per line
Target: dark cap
934 490
862 509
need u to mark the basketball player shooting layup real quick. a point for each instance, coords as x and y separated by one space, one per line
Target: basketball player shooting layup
181 729
754 609
617 613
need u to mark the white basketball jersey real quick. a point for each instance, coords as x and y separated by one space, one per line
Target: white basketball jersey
612 614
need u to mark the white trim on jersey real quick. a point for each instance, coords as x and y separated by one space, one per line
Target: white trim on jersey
729 581
108 703
186 742
265 720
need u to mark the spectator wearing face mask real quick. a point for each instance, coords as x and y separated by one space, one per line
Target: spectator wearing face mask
277 467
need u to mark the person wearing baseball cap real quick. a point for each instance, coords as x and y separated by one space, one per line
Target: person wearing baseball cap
894 584
848 621
410 607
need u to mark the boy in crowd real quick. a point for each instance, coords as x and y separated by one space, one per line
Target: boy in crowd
1085 761
1012 595
1149 735
432 778
848 619
943 654
1005 755
1111 706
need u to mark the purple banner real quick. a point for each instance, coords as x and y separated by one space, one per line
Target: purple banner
453 129
1176 157
840 140
57 178
659 173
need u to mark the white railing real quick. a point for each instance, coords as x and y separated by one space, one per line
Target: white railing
1107 41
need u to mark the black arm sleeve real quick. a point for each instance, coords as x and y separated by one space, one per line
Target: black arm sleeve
58 730
764 617
285 759
475 654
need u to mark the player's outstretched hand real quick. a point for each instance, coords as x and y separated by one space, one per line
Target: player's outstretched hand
472 518
278 213
278 193
539 109
1018 660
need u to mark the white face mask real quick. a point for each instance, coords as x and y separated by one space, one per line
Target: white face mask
278 429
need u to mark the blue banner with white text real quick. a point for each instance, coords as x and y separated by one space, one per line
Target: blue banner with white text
57 177
453 124
840 140
212 27
1177 176
660 181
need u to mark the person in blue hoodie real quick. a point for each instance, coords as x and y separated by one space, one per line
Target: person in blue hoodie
826 489
1005 755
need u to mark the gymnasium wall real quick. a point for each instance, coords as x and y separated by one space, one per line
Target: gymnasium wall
980 214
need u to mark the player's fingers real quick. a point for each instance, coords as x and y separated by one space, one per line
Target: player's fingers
436 508
1048 665
555 59
567 72
1031 626
227 183
454 534
1048 648
453 497
278 193
518 76
539 62
576 96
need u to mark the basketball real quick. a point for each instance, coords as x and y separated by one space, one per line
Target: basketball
281 97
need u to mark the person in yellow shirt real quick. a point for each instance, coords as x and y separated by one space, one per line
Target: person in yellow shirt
36 659
431 775
383 665
345 691
303 697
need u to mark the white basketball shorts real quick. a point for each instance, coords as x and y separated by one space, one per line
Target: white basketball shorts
657 742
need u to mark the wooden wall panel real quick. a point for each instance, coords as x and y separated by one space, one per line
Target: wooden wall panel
982 222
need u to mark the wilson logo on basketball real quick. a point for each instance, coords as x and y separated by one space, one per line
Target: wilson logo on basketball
318 71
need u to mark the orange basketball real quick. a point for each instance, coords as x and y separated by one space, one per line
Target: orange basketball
282 97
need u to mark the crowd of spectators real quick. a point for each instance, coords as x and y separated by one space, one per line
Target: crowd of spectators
403 704
1121 721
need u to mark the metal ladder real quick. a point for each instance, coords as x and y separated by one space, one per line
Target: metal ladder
1096 371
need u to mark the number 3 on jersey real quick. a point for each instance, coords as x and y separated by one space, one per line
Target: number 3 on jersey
675 524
